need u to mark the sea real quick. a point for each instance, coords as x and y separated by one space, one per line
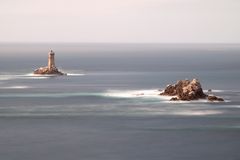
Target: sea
108 105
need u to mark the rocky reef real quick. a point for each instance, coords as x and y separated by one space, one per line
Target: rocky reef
187 90
51 69
46 70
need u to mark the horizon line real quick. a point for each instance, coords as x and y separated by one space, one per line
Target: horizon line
181 43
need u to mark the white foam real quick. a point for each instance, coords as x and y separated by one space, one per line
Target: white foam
75 74
24 76
192 101
36 76
135 94
8 77
215 91
39 75
3 78
179 112
149 94
15 87
29 74
196 113
231 106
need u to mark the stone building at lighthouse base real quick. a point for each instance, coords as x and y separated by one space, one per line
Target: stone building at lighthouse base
51 69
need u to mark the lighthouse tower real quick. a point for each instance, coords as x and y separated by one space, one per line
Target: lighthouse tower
51 61
50 69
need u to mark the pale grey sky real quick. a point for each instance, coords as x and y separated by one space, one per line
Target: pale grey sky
136 21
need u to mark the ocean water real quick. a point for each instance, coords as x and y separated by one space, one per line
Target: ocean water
109 108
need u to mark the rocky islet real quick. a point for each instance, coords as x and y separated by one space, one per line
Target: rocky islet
51 69
187 90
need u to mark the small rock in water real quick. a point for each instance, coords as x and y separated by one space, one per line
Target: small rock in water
215 98
174 99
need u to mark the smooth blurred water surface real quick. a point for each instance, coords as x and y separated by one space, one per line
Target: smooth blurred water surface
108 106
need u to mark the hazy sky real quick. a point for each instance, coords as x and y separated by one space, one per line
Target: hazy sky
160 21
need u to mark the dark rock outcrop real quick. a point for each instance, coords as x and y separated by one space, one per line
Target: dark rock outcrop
213 98
187 90
174 99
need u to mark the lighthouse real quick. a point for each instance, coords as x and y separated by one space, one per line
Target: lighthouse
51 61
50 69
